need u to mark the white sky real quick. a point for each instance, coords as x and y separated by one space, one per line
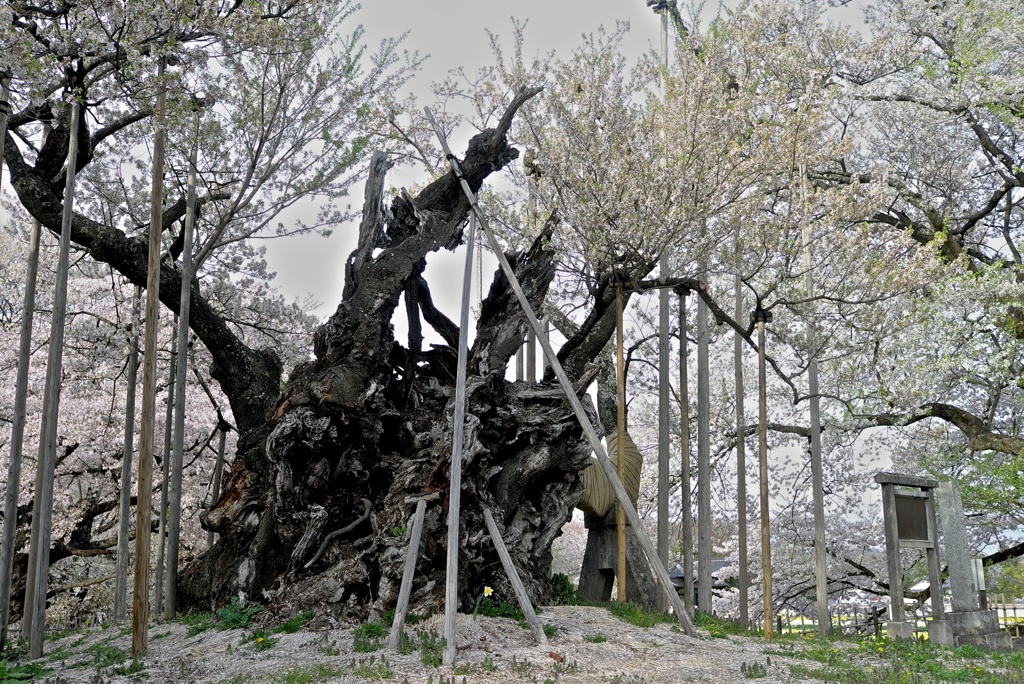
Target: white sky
454 34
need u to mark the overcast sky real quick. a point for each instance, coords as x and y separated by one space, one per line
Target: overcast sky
452 33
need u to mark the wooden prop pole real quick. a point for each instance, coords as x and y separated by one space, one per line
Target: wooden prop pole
762 456
409 571
620 429
42 511
563 380
684 474
513 575
451 594
140 603
127 452
181 366
10 526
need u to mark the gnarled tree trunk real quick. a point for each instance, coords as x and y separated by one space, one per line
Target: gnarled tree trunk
315 508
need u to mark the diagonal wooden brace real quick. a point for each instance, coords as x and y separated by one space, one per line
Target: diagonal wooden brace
563 380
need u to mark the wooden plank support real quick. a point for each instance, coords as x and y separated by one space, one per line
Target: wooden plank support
513 575
563 380
395 638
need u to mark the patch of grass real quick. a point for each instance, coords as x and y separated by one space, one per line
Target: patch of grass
369 637
311 674
260 640
196 622
329 647
431 649
550 631
636 615
371 668
487 665
520 666
295 624
162 635
595 638
15 649
755 670
134 669
105 655
26 672
234 616
238 679
494 609
718 627
562 591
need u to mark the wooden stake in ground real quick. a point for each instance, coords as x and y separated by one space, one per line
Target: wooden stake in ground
684 473
165 477
10 526
140 604
513 575
451 595
741 445
567 388
760 317
620 429
703 457
42 509
174 514
124 502
409 571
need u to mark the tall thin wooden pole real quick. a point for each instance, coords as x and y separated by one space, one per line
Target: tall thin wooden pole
817 485
531 356
703 458
10 527
42 510
684 438
127 453
174 515
140 605
664 414
762 452
519 364
620 429
5 113
451 594
165 468
218 473
741 444
26 617
570 394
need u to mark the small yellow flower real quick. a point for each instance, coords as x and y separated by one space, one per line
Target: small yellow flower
259 639
488 591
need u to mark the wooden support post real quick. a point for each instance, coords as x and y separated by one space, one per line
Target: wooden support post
620 428
165 467
741 444
762 452
684 474
563 380
451 595
704 597
817 487
140 603
531 355
42 510
127 453
174 514
513 575
10 526
413 552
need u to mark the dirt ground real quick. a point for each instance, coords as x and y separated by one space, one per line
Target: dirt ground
589 646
